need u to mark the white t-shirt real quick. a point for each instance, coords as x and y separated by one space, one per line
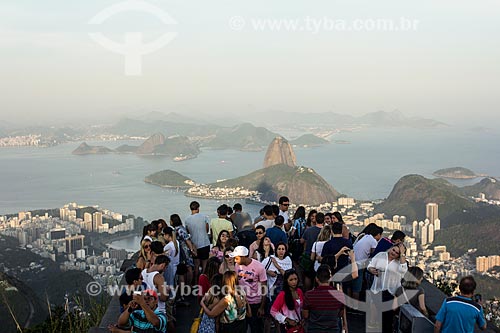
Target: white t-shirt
285 216
317 248
285 264
362 248
266 224
169 249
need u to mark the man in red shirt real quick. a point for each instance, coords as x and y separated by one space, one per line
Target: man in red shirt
324 305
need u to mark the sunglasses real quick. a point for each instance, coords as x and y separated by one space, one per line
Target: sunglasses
145 247
285 204
259 233
227 256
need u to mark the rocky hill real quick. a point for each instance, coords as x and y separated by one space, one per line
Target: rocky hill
455 173
157 144
465 224
149 146
17 297
412 192
46 281
169 178
279 152
489 186
301 184
242 137
85 149
308 140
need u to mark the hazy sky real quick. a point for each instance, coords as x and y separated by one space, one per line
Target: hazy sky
447 67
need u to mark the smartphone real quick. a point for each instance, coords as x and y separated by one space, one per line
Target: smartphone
478 298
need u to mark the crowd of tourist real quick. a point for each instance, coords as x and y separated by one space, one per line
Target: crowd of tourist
276 272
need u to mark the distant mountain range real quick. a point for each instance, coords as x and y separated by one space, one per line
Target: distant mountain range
373 119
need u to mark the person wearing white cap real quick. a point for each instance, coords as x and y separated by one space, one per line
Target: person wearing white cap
252 278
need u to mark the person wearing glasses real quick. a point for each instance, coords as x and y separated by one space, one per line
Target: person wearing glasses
260 233
284 204
145 253
228 262
143 315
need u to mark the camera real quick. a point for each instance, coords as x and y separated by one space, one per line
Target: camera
478 298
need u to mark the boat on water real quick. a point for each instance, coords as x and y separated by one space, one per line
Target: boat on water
182 158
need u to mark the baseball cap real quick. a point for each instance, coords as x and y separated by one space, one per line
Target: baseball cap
239 251
150 292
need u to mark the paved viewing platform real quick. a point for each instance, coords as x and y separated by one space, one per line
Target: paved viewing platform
356 320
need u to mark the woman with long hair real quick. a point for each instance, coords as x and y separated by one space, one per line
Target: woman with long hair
324 236
220 245
388 268
211 269
337 217
228 262
233 308
311 218
210 299
260 233
287 307
186 263
299 220
276 266
145 254
172 250
299 226
265 249
410 291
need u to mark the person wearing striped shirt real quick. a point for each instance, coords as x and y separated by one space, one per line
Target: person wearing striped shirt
143 315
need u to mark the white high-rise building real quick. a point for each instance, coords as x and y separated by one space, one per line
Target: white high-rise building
430 238
437 224
96 221
431 212
415 229
87 217
422 233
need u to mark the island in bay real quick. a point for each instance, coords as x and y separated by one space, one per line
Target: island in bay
279 176
457 173
169 179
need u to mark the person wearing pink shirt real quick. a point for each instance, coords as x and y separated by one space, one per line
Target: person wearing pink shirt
287 307
252 279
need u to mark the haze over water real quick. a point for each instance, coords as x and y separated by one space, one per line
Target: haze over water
367 168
